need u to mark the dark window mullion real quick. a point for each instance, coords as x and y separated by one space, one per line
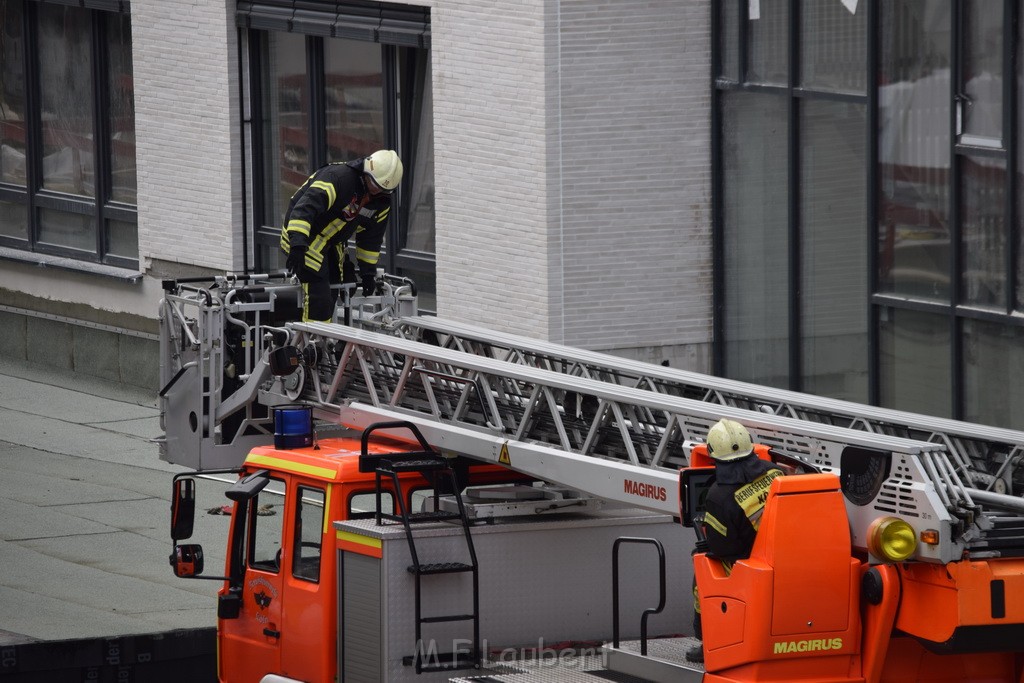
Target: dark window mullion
389 69
1011 138
317 103
795 340
874 45
33 124
101 126
717 238
955 187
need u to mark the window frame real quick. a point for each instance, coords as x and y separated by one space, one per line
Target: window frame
33 196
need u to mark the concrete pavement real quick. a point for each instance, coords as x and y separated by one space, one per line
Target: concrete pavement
84 510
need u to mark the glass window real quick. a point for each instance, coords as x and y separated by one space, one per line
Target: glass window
12 97
914 111
266 525
983 227
354 98
122 239
768 36
286 152
309 534
13 220
981 73
756 246
1018 182
833 46
914 362
833 251
992 353
365 504
419 235
123 183
68 230
729 40
66 92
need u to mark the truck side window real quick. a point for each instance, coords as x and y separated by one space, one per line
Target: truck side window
363 505
266 524
309 529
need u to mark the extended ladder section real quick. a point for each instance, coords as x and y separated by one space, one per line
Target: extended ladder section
987 458
437 470
625 444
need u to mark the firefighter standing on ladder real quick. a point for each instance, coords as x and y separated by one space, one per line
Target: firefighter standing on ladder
337 201
734 503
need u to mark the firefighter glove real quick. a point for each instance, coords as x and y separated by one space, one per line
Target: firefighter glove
296 260
369 284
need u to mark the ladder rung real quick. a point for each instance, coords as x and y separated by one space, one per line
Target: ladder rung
440 568
450 617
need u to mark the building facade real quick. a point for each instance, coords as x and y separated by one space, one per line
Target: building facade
779 191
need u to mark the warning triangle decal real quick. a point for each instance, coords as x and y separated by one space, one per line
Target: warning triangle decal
503 455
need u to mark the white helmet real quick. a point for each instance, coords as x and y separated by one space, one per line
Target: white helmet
728 440
385 168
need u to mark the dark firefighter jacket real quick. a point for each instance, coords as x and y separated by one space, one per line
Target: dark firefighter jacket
331 206
734 505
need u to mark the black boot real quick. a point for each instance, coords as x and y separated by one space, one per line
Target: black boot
696 653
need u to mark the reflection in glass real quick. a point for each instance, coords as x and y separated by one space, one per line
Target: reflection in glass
833 46
993 353
768 31
1018 182
66 95
914 116
68 230
286 107
122 240
982 72
983 228
833 250
419 235
426 287
729 40
122 110
12 94
13 220
914 362
354 97
755 139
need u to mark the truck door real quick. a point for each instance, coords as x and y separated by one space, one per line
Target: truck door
307 636
251 643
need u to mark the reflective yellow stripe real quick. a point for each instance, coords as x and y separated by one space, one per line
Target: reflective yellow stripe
327 509
383 215
710 520
361 540
296 225
367 256
332 229
328 189
289 466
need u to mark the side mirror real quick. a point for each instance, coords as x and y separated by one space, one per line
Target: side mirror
187 560
183 508
246 488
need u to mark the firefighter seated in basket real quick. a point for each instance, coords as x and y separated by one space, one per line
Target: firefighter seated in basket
734 503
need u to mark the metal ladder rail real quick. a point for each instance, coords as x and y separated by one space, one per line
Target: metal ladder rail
437 467
998 450
373 366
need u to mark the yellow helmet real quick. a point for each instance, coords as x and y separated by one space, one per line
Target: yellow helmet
385 168
729 440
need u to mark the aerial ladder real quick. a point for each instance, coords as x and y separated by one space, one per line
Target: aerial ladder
617 429
988 458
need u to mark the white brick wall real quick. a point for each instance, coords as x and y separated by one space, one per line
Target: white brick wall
186 118
573 169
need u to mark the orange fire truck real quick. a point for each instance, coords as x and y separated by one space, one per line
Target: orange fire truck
446 495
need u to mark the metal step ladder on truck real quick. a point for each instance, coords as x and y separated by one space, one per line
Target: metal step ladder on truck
885 558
